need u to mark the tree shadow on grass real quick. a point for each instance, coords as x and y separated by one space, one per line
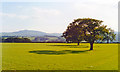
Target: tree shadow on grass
71 46
50 52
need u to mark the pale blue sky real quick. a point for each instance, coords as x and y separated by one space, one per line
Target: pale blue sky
54 17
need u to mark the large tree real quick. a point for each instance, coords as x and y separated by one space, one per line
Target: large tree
87 29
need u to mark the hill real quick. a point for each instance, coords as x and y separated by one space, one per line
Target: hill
29 33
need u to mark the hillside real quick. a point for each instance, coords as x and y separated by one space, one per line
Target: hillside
28 33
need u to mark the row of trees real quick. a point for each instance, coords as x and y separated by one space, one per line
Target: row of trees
89 30
16 40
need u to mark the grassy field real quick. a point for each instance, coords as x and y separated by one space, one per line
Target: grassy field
59 56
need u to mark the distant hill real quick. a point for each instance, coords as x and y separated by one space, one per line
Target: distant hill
29 33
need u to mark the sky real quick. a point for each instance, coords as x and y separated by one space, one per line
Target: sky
52 16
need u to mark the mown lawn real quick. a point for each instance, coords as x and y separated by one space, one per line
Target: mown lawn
59 56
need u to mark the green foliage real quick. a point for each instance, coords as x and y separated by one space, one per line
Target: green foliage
109 35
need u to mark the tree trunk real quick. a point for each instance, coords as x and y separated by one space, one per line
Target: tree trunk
91 46
107 40
78 42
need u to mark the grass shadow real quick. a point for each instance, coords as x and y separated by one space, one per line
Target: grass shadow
71 46
50 52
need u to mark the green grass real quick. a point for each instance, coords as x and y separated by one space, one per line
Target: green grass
59 56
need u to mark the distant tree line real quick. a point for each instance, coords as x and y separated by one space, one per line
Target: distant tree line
16 40
12 39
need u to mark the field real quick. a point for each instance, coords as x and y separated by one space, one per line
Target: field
59 56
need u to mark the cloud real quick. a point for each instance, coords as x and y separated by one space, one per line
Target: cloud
98 10
38 13
23 17
19 6
46 11
11 15
8 15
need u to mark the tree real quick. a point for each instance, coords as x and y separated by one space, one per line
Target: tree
109 35
10 39
87 29
26 40
73 33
